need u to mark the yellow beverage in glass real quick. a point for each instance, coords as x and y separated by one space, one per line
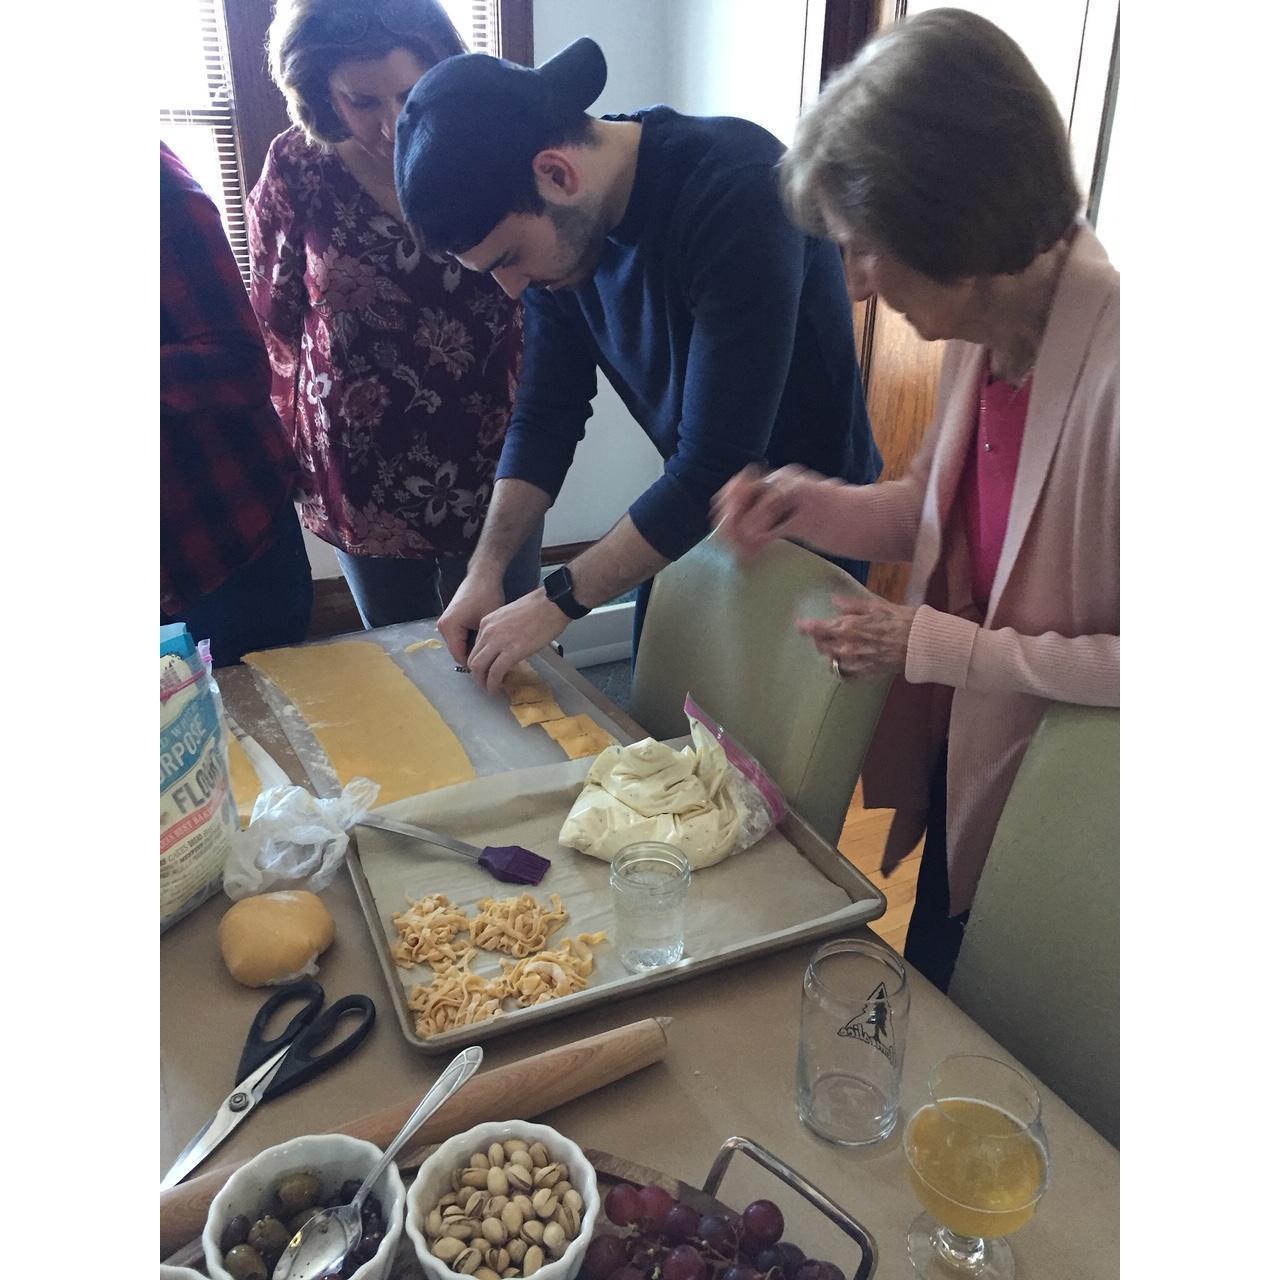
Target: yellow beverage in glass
974 1167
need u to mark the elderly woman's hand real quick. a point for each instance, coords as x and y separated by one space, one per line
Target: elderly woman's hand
868 638
754 509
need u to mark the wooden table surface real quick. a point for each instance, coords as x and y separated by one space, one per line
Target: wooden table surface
730 1070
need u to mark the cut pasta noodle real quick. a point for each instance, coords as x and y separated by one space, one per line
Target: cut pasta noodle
437 932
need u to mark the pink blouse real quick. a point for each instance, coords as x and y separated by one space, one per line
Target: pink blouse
986 488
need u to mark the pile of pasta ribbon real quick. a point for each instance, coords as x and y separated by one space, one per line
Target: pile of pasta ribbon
437 932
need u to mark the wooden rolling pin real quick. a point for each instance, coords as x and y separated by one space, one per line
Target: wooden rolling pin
517 1091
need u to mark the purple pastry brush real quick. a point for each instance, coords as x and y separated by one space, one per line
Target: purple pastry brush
509 862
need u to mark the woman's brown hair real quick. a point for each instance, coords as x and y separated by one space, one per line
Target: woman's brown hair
941 143
310 38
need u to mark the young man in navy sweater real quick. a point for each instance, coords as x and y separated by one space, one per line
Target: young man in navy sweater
653 247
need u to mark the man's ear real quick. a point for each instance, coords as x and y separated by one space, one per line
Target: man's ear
558 177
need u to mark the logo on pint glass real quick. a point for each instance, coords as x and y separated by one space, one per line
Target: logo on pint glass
873 1025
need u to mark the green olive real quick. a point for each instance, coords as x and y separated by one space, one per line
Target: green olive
244 1262
296 1192
235 1232
299 1220
269 1236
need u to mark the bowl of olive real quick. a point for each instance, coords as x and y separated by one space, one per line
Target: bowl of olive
255 1215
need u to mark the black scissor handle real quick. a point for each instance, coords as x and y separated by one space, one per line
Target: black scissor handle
298 1065
257 1049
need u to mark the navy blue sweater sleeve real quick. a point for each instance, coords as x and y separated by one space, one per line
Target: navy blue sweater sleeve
553 398
744 263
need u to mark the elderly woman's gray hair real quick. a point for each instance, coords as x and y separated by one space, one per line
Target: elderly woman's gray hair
940 143
310 39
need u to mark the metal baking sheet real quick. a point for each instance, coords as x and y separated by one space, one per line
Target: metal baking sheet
790 887
490 735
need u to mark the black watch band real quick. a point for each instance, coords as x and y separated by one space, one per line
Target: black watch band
559 589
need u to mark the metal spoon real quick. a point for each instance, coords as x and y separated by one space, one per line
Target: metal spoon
321 1246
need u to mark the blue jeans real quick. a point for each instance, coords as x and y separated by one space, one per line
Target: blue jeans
265 603
389 589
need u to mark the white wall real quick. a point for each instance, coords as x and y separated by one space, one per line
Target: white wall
738 58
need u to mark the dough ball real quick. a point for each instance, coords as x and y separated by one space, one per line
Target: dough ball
274 936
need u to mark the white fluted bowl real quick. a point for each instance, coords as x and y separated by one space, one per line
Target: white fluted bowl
333 1158
435 1179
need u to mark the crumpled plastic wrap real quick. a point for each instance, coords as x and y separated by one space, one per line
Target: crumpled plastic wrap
294 840
709 799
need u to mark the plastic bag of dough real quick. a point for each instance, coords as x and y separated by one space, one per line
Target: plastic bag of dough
710 799
274 938
294 840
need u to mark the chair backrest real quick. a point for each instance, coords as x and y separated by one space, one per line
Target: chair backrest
1039 968
727 635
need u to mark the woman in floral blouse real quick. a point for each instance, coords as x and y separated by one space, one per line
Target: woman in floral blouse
394 373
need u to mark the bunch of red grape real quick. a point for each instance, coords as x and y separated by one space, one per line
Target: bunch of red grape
665 1240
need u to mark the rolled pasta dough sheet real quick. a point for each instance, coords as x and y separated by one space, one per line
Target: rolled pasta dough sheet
370 718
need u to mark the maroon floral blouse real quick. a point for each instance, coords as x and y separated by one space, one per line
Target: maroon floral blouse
394 374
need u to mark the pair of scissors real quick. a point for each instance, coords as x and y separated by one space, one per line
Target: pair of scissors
271 1068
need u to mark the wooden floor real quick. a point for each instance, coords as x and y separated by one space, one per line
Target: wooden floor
862 842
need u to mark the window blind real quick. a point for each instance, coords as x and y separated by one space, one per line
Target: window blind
477 23
197 119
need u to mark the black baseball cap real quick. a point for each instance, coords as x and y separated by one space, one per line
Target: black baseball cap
469 131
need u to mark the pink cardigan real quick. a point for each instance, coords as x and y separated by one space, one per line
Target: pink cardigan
1052 630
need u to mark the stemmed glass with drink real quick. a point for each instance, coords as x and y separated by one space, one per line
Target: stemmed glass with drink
978 1161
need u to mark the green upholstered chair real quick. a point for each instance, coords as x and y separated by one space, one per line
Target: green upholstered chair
1039 968
727 635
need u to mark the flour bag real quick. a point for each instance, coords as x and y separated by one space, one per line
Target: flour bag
198 819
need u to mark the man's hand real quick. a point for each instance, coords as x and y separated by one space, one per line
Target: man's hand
510 634
754 509
868 638
478 596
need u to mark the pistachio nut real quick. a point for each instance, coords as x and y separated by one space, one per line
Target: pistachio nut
539 1153
493 1231
474 1203
498 1184
522 1158
486 1273
454 1211
545 1202
516 1250
570 1220
532 1260
498 1258
447 1249
459 1228
494 1205
479 1161
509 1272
519 1178
572 1200
531 1232
476 1178
468 1261
455 1179
561 1187
450 1197
435 1221
525 1205
547 1176
512 1145
512 1218
497 1154
554 1239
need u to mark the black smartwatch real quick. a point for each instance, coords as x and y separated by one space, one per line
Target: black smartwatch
559 589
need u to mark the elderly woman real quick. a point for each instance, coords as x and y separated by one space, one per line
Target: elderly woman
394 373
938 160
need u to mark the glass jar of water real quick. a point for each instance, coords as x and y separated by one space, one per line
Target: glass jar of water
649 883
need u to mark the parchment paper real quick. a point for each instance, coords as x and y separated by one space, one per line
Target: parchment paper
489 733
738 907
